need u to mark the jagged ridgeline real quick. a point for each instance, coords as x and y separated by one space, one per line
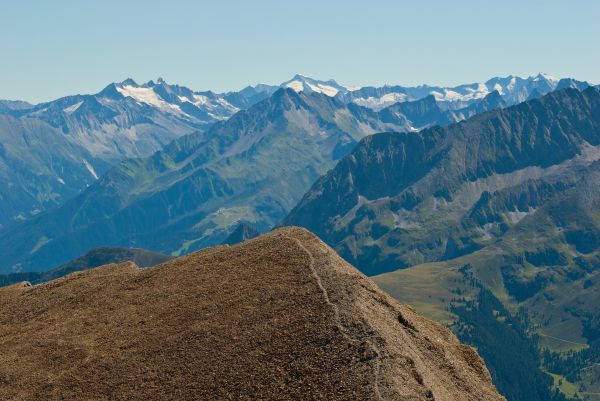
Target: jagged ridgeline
51 151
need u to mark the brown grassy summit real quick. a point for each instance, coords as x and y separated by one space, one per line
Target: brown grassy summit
277 317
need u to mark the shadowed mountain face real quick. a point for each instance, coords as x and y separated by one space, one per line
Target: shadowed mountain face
216 325
253 168
242 232
94 258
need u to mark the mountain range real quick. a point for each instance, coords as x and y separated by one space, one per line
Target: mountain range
53 150
512 89
431 184
86 148
253 167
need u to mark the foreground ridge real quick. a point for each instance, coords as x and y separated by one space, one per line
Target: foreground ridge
281 316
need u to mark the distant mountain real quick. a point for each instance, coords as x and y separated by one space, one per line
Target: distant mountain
241 233
428 111
422 113
51 151
301 83
253 167
40 167
94 258
6 105
492 101
127 119
468 222
571 83
512 90
278 318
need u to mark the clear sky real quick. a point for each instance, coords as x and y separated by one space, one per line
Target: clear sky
60 47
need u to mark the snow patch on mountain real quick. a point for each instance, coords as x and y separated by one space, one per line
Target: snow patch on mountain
377 103
543 76
325 89
148 96
300 83
72 108
295 85
90 169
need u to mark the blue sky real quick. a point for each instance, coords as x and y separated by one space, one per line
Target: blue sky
54 48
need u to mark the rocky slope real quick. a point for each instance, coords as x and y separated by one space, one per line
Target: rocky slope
216 325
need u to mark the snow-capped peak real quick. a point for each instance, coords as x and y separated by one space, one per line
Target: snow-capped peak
128 82
177 100
142 94
542 75
301 83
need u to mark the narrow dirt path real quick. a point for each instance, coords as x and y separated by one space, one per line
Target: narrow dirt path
337 318
562 339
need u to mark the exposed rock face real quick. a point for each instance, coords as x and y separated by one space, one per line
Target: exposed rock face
277 317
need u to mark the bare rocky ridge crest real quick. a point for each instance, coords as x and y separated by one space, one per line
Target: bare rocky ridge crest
281 316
